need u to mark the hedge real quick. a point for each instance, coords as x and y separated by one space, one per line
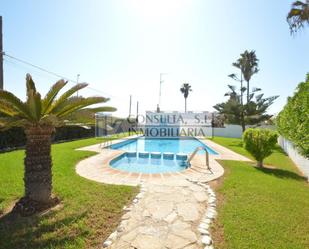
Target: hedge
293 120
15 137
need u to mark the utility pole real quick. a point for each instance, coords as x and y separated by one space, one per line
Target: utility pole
161 81
130 106
1 55
136 114
213 125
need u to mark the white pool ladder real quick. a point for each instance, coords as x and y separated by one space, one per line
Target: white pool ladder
105 143
206 154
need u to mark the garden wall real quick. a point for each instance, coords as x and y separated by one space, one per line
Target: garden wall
230 130
233 131
299 160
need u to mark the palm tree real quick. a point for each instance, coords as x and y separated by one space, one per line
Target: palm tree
249 67
185 89
39 117
298 15
239 65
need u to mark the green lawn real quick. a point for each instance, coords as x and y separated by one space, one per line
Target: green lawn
89 211
258 209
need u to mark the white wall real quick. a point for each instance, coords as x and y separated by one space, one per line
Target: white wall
234 131
299 160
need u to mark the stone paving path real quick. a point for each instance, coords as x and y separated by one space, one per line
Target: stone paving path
167 215
172 211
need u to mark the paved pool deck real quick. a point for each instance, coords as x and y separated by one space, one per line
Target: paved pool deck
172 211
97 168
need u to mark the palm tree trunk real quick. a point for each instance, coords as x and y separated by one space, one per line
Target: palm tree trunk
242 120
38 174
248 91
241 92
185 105
38 164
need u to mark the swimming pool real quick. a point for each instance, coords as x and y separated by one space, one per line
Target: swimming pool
173 145
137 164
156 155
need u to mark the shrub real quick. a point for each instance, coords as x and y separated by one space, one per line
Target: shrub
293 120
259 143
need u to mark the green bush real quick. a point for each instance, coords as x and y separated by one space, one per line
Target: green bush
259 143
293 120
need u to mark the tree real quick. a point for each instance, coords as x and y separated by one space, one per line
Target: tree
233 109
39 117
185 89
259 143
249 66
238 64
237 105
252 113
298 15
293 120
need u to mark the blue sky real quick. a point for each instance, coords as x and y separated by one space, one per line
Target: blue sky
121 47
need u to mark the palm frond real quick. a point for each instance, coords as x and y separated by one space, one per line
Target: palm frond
243 89
51 95
233 88
9 122
79 104
58 104
48 111
34 104
233 76
16 103
30 83
101 109
298 15
7 109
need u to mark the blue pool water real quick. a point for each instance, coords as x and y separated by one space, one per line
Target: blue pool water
134 161
174 145
147 165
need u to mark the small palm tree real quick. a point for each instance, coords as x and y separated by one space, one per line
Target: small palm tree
298 15
39 117
185 89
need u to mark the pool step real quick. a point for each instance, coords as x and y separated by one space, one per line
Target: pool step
155 154
181 156
168 155
158 155
143 154
131 154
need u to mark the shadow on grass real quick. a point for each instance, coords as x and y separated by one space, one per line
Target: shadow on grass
283 174
27 232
